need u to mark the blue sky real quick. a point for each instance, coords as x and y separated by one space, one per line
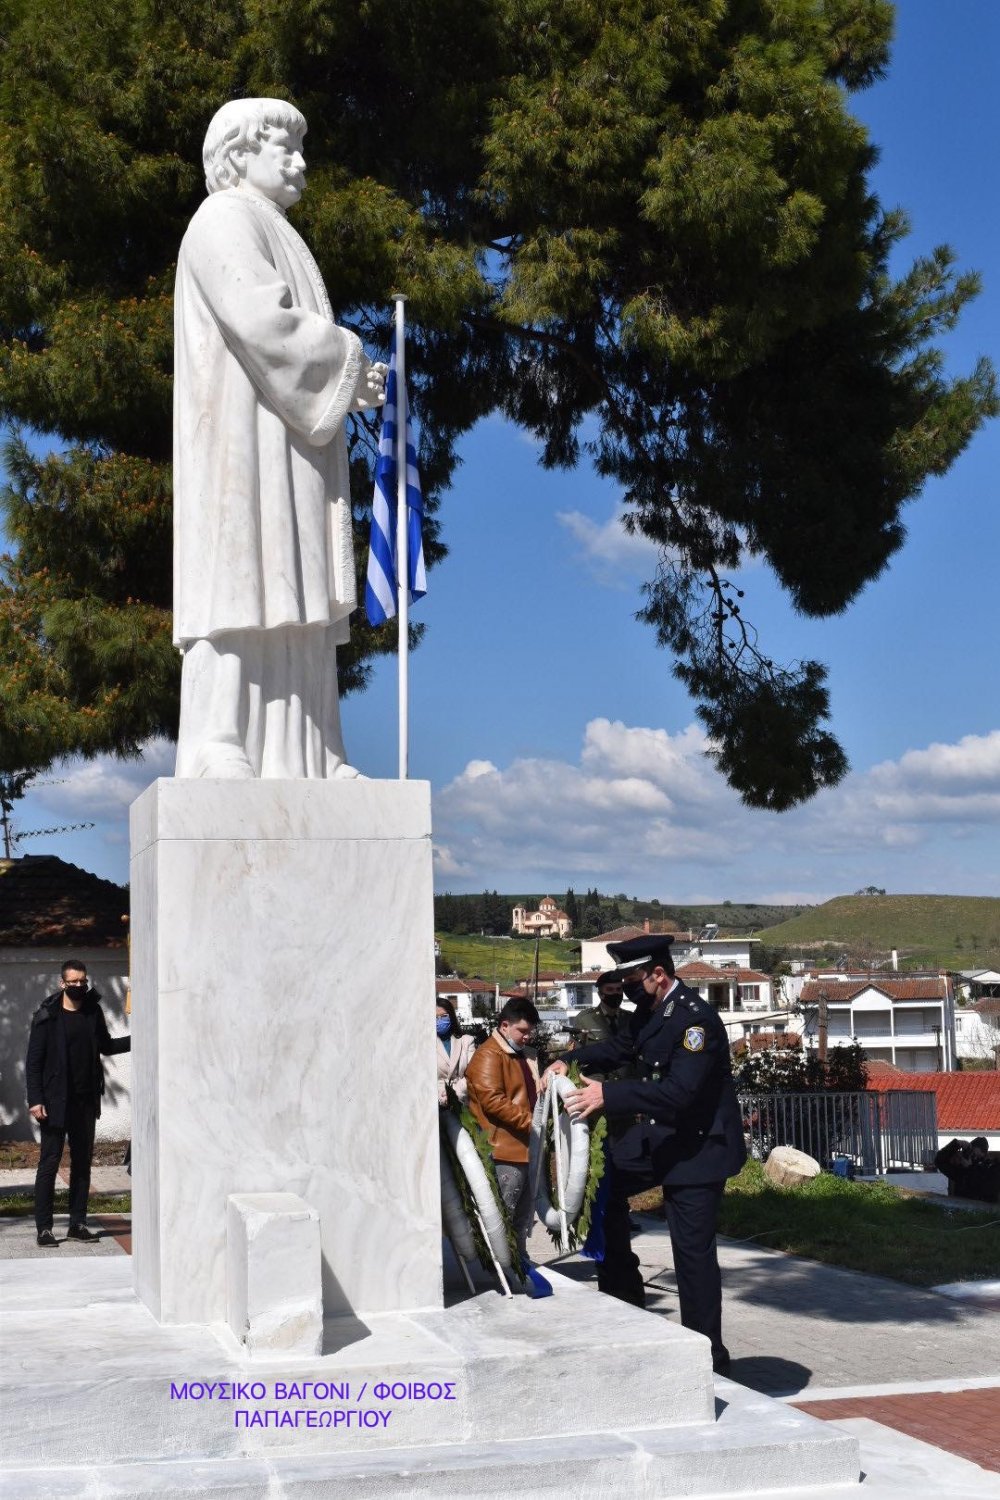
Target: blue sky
559 747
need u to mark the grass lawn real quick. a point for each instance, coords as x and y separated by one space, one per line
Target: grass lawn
505 960
862 1226
22 1205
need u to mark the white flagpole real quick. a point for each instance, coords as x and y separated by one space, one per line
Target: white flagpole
402 545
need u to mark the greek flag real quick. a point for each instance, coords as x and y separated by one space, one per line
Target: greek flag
380 587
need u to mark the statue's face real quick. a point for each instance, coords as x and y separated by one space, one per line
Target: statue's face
278 169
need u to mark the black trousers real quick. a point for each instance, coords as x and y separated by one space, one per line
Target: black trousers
79 1127
692 1215
618 1274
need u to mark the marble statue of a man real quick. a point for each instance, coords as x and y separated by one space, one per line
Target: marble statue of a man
264 381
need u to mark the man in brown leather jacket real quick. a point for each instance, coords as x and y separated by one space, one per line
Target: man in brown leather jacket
503 1084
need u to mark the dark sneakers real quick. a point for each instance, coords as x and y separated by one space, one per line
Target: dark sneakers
47 1239
81 1232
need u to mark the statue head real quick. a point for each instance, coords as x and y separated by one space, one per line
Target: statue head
256 143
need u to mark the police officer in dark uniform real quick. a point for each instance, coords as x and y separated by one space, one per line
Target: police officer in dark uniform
675 1122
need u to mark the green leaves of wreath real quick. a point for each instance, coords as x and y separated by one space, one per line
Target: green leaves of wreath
580 1227
469 1122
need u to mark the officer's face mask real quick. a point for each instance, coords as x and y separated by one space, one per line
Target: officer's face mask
633 990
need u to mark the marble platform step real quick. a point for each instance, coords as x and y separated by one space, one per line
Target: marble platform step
755 1447
76 1344
576 1395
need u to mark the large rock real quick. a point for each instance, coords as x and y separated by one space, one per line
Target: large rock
787 1167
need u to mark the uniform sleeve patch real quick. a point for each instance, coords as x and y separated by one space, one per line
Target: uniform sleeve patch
694 1039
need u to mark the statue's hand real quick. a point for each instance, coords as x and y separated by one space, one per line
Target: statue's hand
371 387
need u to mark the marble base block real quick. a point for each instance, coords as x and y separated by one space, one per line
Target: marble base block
576 1397
282 1006
274 1285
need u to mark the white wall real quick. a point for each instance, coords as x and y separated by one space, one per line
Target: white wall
718 951
975 1036
993 1136
27 975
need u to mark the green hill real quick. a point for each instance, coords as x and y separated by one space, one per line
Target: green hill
504 961
955 932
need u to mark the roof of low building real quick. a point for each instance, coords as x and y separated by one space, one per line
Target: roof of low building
966 1102
894 987
651 929
698 970
47 903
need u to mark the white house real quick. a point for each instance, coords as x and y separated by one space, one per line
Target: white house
571 992
688 946
463 993
977 984
906 1020
977 1032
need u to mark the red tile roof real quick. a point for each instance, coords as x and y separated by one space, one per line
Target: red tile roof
841 991
47 903
966 1102
621 934
699 970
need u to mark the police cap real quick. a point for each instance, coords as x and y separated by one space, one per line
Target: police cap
648 951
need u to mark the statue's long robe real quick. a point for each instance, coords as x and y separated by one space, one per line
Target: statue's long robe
264 379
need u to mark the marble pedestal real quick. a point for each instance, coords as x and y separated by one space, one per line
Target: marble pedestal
577 1397
282 996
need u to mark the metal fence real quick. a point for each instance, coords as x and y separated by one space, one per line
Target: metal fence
874 1130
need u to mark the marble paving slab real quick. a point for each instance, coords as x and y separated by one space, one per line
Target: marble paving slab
86 1378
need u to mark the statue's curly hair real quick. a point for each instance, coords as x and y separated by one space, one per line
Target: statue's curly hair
239 125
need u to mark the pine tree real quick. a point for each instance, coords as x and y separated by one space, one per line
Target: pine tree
651 214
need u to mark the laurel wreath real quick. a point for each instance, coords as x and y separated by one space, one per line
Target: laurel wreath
480 1140
579 1229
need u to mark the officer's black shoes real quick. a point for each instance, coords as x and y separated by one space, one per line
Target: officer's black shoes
47 1240
721 1363
81 1232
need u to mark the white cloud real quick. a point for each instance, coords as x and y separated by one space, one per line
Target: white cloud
102 789
614 555
447 865
645 809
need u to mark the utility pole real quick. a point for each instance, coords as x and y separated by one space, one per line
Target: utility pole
822 1026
